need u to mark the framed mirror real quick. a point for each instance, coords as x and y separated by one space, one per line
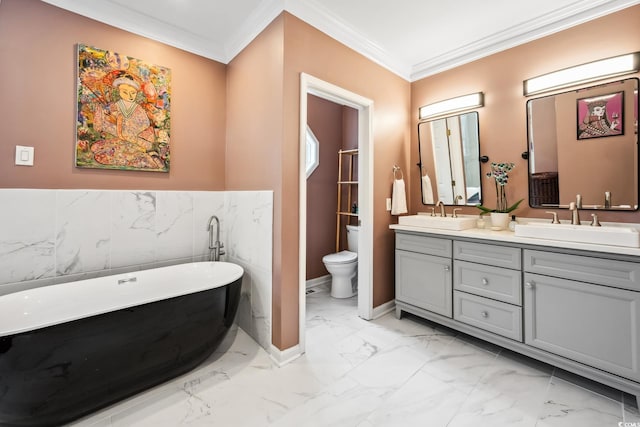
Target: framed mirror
449 164
585 142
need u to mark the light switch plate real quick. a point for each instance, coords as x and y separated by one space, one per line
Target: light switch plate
24 155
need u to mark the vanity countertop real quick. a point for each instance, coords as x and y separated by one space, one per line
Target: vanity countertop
508 236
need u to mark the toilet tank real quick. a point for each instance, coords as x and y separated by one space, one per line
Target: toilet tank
352 238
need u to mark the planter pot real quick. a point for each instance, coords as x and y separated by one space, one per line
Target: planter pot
499 220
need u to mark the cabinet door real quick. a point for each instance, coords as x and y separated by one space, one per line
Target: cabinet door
593 324
424 281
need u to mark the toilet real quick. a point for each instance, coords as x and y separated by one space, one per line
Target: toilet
343 267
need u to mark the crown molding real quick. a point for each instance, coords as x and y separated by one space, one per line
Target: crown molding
255 23
318 16
118 16
313 13
545 25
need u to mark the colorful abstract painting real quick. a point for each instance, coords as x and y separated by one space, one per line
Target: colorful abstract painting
124 115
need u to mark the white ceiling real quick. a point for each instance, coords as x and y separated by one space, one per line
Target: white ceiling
412 38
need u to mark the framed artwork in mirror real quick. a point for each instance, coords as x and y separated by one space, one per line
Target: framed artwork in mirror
601 116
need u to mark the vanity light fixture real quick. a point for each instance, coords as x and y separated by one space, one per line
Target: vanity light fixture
584 73
452 105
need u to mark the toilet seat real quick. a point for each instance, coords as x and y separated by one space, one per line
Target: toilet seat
343 257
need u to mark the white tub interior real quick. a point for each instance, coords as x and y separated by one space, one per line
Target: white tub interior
50 305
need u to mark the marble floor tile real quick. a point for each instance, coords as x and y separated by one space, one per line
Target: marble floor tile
385 372
461 363
510 393
567 404
345 403
422 401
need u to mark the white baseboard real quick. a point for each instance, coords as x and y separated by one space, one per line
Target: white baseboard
318 281
282 357
383 309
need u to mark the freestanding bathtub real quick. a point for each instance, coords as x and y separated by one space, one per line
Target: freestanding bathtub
69 349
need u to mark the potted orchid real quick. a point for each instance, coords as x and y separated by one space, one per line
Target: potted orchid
500 174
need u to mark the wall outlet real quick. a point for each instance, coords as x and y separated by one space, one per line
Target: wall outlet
389 204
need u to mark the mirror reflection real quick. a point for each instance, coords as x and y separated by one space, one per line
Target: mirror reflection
449 160
583 146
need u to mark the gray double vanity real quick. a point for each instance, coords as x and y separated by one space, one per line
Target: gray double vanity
567 294
572 305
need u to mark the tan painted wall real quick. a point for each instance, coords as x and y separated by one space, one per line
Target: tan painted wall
543 127
613 154
38 87
254 146
336 127
258 148
349 141
503 128
325 120
310 51
298 47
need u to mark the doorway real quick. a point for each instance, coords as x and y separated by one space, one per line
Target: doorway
314 86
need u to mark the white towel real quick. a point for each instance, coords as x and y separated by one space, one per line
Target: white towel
427 191
398 198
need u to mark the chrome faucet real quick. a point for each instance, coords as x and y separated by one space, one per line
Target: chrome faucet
575 213
442 212
216 248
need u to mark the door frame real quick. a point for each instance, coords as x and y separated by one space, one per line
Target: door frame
364 106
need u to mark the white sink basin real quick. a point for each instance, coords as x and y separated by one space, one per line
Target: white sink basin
605 235
462 222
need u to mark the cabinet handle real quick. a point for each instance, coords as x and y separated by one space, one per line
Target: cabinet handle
447 268
485 281
484 314
530 285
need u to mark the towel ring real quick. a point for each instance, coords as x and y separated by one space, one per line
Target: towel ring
397 169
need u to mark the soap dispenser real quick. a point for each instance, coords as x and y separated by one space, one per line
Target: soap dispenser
512 224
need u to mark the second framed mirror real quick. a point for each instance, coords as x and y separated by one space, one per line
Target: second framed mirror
449 164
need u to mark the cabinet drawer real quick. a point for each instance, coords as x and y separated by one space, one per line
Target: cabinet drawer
621 274
497 283
424 245
500 256
493 316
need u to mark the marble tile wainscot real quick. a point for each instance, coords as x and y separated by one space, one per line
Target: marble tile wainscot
573 305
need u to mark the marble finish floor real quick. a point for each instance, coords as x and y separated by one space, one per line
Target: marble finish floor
385 372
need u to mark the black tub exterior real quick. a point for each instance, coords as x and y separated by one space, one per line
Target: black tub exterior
53 375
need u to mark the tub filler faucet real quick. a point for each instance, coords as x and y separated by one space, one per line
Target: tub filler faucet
216 248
